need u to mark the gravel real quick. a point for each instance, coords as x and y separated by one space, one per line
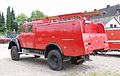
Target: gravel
30 66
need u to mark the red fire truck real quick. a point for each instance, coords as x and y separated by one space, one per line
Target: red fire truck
113 35
57 38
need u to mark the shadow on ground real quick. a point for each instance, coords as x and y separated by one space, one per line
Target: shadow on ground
109 55
38 62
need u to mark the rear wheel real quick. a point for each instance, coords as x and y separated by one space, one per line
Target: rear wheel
14 53
55 60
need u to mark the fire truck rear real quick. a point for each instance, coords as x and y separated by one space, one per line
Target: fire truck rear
59 38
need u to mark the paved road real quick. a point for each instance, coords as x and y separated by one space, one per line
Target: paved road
30 66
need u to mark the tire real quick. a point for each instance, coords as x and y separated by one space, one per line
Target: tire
75 61
14 54
36 56
55 60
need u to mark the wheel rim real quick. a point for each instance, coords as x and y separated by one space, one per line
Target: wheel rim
54 60
13 54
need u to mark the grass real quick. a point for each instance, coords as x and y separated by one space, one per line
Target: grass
104 74
95 74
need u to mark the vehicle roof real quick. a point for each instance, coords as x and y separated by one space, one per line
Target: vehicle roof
39 22
28 23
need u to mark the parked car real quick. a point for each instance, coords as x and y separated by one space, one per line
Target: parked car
4 40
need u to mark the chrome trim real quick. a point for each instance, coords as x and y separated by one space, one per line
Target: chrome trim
113 41
112 29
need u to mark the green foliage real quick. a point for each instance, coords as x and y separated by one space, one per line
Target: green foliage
8 20
37 14
21 18
14 24
11 23
2 23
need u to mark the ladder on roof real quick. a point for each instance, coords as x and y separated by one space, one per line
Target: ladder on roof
67 17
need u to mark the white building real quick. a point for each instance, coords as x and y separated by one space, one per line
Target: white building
110 16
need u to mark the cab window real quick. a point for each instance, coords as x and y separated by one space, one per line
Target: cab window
29 28
23 28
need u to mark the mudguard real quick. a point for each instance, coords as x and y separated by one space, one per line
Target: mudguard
56 45
14 42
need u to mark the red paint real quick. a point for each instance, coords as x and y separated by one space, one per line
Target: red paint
75 37
113 38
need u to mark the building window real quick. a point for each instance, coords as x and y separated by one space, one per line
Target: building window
117 11
104 13
115 26
111 25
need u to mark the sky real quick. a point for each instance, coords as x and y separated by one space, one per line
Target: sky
55 7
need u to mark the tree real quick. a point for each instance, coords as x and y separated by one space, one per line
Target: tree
21 18
8 19
2 23
14 24
37 14
3 19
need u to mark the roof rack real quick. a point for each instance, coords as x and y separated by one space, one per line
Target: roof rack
66 17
